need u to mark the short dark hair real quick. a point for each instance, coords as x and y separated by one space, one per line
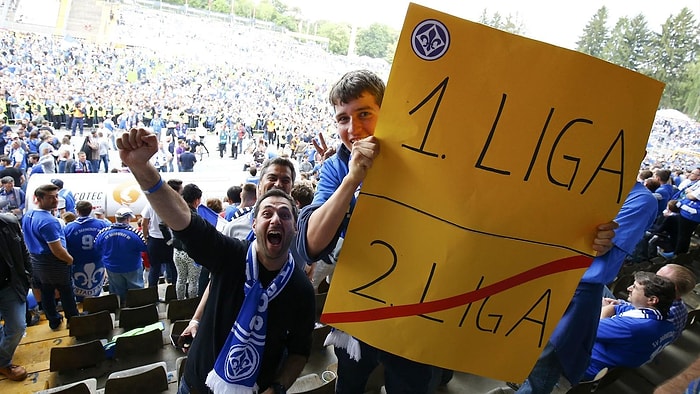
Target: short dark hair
234 194
644 174
652 184
250 191
281 161
84 208
303 191
176 184
657 286
43 190
663 175
353 84
191 192
276 193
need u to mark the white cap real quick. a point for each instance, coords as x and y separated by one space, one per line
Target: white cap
124 212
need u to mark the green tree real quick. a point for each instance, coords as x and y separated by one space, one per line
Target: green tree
286 16
376 41
615 49
511 24
201 4
279 6
338 34
222 6
286 20
673 51
628 43
691 106
264 11
595 35
243 8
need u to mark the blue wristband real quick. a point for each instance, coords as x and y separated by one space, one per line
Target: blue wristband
154 188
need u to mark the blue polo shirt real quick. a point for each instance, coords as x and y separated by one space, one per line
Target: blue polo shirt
41 228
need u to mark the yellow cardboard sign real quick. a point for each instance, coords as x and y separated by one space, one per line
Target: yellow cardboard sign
499 156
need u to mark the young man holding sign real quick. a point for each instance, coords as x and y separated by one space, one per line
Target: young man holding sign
356 99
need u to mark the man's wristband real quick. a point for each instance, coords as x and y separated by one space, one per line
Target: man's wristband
155 187
195 321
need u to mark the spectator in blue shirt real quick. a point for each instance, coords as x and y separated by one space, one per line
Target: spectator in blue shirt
121 246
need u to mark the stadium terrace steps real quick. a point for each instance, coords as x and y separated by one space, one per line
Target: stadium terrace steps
85 19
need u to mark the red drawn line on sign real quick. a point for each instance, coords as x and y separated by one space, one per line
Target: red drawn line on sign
390 312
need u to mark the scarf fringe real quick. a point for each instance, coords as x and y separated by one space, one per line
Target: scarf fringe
220 386
343 340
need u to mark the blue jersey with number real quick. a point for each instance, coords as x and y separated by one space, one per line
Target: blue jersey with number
88 270
80 239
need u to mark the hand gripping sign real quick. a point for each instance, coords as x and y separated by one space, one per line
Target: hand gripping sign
499 156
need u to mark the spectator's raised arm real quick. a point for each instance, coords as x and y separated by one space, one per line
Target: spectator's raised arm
135 150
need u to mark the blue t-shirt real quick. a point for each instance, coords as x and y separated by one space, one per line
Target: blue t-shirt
665 191
631 338
187 160
41 228
67 195
80 239
88 270
121 246
334 169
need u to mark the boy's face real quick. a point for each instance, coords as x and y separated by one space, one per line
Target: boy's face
356 119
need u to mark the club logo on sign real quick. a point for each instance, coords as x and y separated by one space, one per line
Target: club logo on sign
430 40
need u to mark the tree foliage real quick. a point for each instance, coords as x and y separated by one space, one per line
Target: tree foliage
376 41
691 105
670 56
511 24
595 34
674 51
338 35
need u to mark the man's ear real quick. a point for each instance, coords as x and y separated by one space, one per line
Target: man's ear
653 300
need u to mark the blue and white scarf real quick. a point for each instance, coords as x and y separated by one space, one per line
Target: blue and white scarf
237 367
643 313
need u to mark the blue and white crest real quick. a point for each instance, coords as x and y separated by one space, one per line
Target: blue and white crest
430 39
241 362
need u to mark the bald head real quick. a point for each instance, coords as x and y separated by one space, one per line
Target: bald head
683 279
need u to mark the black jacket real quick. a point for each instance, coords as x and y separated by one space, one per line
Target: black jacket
14 252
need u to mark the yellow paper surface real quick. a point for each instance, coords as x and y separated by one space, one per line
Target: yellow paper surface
499 156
